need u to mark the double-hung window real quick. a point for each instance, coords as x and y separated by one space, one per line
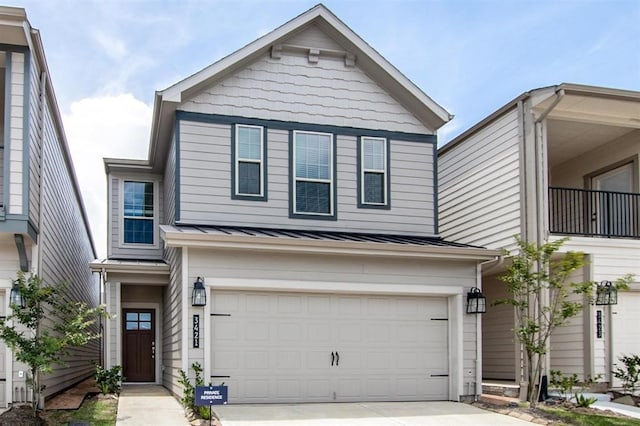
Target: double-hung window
249 162
138 212
374 176
313 171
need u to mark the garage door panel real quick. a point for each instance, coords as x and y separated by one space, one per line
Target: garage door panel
388 347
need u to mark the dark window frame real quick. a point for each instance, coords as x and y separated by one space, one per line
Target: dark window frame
235 160
139 218
360 187
293 179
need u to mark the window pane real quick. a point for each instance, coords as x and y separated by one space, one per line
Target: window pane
138 231
249 178
313 156
145 317
313 197
249 145
132 316
145 326
132 325
138 199
374 188
373 150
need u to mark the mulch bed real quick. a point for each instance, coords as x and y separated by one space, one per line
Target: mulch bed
20 416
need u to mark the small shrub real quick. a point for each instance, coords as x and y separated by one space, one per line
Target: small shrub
566 387
109 380
189 390
583 401
629 374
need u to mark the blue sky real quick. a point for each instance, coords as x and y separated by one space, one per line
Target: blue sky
107 57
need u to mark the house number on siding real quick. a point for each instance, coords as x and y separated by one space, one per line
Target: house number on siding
196 331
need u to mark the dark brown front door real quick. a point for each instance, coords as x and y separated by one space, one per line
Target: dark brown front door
139 345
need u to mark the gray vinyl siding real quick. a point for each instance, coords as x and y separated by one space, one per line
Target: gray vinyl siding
498 338
172 323
16 135
170 186
293 89
65 251
112 324
213 264
479 186
117 249
205 185
35 122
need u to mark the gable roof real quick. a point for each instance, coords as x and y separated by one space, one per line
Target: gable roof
425 109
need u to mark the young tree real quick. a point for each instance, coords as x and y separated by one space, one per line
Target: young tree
537 282
43 332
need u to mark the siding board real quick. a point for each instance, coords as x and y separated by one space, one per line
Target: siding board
479 186
205 185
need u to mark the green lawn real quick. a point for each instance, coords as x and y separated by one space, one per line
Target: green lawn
95 411
574 418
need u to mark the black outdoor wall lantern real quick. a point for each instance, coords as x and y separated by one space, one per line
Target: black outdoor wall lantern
606 293
15 297
199 295
476 302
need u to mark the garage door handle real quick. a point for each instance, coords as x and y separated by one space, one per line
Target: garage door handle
337 358
332 358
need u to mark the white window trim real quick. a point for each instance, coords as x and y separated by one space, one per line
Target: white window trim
121 216
249 160
384 171
330 181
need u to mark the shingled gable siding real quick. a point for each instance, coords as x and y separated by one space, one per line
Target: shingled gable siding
65 252
292 89
205 182
479 186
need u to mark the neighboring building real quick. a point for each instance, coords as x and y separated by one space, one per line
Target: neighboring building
554 162
43 225
296 178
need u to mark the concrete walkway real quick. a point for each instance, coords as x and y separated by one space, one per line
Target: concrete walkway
143 405
604 403
362 414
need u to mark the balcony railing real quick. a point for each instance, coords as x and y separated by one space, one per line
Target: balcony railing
594 213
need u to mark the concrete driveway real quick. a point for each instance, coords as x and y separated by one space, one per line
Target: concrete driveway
361 414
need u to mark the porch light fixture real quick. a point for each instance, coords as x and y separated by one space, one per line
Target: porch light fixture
15 297
606 293
199 295
476 302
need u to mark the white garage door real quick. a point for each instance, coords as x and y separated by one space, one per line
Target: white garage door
297 347
625 319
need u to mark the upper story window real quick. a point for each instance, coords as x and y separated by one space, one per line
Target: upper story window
373 175
313 174
249 163
138 212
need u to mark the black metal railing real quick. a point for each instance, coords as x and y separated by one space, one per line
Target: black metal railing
594 213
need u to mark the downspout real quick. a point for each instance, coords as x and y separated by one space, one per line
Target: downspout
542 183
43 87
493 263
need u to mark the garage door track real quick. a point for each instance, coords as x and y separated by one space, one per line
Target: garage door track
361 414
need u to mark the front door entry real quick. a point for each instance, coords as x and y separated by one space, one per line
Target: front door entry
139 345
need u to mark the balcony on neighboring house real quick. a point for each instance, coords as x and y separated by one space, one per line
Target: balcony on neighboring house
2 211
594 213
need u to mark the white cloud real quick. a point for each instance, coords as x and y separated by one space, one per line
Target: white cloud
112 46
109 126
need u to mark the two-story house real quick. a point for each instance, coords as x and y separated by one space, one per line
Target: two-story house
554 162
43 224
283 231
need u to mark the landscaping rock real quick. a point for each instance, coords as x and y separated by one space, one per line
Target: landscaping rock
626 400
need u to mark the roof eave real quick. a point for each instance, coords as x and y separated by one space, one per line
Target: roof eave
256 243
